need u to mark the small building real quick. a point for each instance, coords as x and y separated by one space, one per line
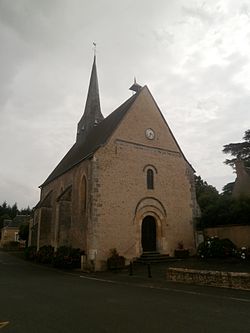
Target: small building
10 230
124 184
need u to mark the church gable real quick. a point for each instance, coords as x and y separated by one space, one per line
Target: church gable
144 125
142 165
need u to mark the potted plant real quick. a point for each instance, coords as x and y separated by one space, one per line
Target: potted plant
181 252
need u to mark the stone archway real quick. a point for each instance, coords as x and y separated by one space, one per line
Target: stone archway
151 210
148 234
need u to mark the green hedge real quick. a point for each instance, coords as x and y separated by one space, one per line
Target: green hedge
45 254
67 257
64 257
214 247
30 253
225 211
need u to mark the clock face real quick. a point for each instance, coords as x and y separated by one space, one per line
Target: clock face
150 134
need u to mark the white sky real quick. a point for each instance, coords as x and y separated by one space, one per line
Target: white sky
193 55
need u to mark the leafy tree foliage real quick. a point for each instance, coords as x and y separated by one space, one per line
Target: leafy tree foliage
220 209
25 211
226 210
24 232
228 189
239 150
206 194
9 212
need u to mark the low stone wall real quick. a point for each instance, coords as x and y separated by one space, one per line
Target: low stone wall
234 280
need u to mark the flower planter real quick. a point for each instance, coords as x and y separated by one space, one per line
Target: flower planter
181 253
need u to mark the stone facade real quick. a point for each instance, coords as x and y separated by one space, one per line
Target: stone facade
101 202
9 234
10 231
123 200
238 234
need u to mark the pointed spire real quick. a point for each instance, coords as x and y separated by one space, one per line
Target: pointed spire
92 113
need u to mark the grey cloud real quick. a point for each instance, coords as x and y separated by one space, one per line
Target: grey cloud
162 35
199 12
244 10
45 69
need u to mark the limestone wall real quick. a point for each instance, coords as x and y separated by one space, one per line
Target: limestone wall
238 234
8 235
65 223
210 278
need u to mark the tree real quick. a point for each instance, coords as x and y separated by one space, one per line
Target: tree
239 150
24 232
226 211
207 197
5 213
9 212
14 210
206 194
228 189
25 211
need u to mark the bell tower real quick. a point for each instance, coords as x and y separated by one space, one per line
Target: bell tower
92 115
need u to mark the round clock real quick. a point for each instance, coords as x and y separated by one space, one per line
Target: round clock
150 134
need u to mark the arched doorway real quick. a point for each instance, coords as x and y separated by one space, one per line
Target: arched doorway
148 234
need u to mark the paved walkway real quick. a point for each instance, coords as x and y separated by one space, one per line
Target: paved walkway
156 274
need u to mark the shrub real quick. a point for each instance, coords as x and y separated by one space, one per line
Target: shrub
244 253
115 261
225 211
12 245
214 247
67 257
45 254
30 253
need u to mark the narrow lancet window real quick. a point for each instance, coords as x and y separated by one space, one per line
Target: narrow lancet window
150 179
83 195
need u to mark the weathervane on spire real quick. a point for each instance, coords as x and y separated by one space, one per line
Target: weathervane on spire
135 87
94 48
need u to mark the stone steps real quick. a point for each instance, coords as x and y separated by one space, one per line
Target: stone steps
153 257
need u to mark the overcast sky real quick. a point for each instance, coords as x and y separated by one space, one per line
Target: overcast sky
193 55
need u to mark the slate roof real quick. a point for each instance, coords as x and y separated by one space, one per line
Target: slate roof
92 112
17 221
96 138
6 222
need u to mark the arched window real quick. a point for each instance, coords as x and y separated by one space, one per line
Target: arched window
83 194
150 179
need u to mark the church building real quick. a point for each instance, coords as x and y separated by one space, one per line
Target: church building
124 184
